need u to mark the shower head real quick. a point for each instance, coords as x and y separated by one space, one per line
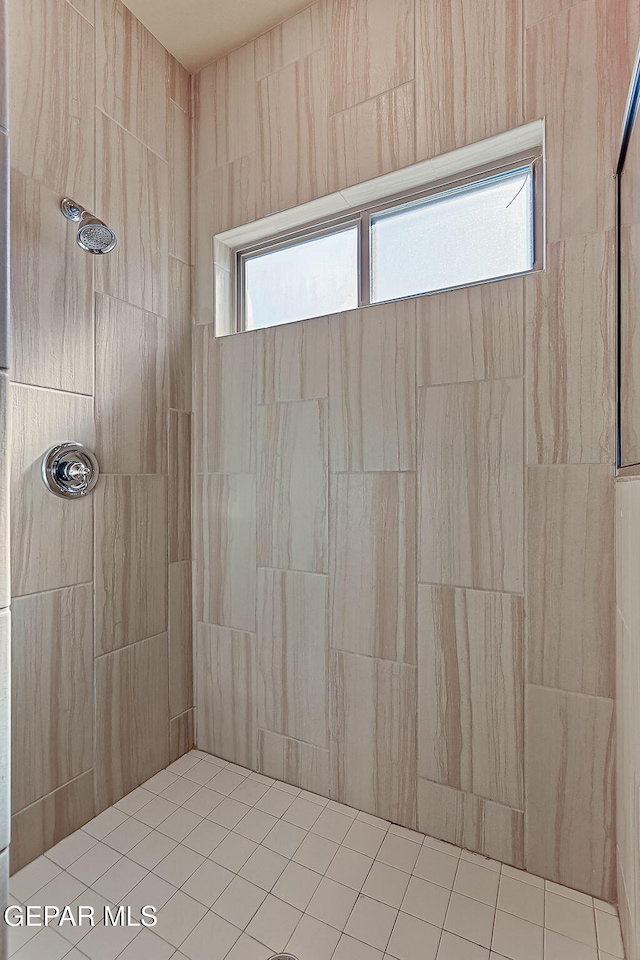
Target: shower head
94 236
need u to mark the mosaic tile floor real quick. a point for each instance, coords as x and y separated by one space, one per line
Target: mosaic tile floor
241 867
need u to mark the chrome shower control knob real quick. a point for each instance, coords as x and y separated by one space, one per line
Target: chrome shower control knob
69 470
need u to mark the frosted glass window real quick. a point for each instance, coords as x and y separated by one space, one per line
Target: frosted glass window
310 278
466 235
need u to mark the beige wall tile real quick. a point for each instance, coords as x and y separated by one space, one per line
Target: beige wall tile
372 138
5 559
224 398
629 343
51 293
179 330
300 764
473 333
181 734
180 639
4 106
225 550
132 718
132 388
131 560
292 135
179 84
476 93
131 68
51 95
225 690
471 485
39 827
480 825
569 777
179 157
373 564
570 589
52 686
373 736
578 51
225 109
41 522
202 248
470 691
179 486
292 361
292 485
4 260
132 196
234 194
570 353
291 40
5 726
293 649
536 10
372 388
371 44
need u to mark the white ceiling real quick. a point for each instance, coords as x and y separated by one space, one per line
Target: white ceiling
197 32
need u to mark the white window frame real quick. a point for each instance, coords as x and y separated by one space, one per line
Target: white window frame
361 217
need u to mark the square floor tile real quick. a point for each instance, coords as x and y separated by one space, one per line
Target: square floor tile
568 893
178 917
147 946
332 903
211 939
303 813
160 782
284 838
413 939
275 802
228 813
203 801
296 885
208 882
104 823
274 923
557 947
151 890
398 852
517 939
122 877
178 865
263 868
426 900
71 848
249 792
180 791
92 864
233 852
59 892
152 849
239 902
206 837
124 837
609 935
470 919
179 824
364 838
134 801
199 772
386 884
183 763
350 949
315 852
246 948
225 782
406 833
154 812
313 940
332 825
46 943
350 867
371 922
106 943
442 846
481 861
456 948
521 899
255 825
477 882
570 918
522 875
436 867
87 899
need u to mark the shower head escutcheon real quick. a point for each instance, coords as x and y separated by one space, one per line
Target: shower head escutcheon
93 235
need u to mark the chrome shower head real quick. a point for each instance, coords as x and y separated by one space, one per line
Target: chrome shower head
94 236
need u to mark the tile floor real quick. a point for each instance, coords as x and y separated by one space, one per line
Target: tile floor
241 867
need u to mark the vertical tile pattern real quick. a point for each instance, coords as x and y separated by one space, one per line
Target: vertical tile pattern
372 557
373 736
181 734
179 157
292 361
226 108
180 643
132 389
132 717
52 668
372 388
179 334
470 685
294 762
570 789
179 486
292 486
291 40
476 93
226 680
571 572
471 478
292 634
